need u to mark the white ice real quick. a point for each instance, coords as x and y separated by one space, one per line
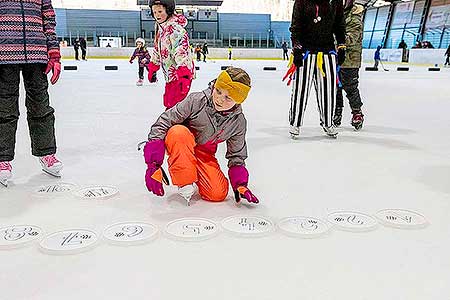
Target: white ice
400 159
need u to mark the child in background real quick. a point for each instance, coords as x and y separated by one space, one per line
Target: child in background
143 56
171 52
191 132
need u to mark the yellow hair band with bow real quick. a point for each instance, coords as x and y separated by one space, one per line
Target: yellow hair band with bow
236 90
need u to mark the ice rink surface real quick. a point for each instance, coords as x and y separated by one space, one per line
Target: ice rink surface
400 159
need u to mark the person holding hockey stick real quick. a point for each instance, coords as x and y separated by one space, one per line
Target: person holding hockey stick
29 45
316 24
190 133
171 52
349 70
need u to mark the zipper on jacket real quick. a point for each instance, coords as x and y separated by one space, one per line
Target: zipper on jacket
24 34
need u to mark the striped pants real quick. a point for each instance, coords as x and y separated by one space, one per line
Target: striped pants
323 76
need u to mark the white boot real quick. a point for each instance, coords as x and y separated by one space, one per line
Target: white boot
330 131
5 172
186 192
51 165
140 82
295 132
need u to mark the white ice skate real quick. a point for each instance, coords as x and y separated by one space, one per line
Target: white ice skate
186 192
295 132
140 82
5 172
51 165
330 131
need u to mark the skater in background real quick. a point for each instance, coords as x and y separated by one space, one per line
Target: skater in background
349 70
143 56
30 48
198 52
190 133
171 52
377 57
76 47
315 26
83 47
447 53
284 46
205 51
230 53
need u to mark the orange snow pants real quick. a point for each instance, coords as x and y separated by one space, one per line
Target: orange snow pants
189 163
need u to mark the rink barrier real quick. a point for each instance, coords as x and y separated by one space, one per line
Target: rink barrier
269 69
70 68
111 68
434 69
371 69
403 69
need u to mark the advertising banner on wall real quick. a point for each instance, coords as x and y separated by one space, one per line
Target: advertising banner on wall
438 16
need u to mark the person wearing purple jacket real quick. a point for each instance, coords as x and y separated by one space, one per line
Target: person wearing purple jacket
143 56
28 45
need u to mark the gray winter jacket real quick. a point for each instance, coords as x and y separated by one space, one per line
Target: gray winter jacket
209 126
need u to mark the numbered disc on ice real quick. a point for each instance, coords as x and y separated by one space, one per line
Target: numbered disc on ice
18 236
248 226
303 227
352 221
97 192
192 229
402 218
55 190
69 242
132 233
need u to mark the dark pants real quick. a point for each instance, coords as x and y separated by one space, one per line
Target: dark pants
204 57
447 61
83 53
285 55
350 80
141 72
40 115
77 54
229 55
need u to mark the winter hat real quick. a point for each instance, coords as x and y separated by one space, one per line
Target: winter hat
238 91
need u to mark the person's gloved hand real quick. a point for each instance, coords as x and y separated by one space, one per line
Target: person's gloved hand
131 61
298 57
152 69
341 55
54 64
239 180
185 78
155 176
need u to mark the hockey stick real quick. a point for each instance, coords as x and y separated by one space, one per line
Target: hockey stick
386 70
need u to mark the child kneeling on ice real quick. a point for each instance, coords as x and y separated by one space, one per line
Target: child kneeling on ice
191 131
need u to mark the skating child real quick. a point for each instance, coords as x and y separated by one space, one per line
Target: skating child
143 56
171 52
29 46
190 133
349 70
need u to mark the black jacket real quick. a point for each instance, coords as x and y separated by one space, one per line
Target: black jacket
318 36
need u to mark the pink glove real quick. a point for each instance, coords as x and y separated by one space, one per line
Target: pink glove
239 179
152 69
184 78
54 64
155 175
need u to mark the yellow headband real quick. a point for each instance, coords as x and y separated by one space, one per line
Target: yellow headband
238 91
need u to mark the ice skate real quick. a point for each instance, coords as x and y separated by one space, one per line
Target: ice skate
357 119
337 119
140 82
330 131
295 132
186 192
51 165
5 172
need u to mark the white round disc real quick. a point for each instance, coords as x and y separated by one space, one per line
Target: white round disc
18 236
402 218
71 241
303 227
352 221
248 226
192 229
130 233
97 192
55 189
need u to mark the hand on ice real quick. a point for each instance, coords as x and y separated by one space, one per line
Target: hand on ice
154 178
244 192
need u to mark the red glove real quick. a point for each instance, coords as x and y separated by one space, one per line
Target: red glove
152 69
54 65
184 78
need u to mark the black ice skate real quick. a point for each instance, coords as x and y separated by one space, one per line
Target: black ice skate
357 119
337 119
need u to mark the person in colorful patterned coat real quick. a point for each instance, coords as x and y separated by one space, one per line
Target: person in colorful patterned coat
143 56
171 52
28 44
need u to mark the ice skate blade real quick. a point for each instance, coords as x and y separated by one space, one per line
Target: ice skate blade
4 183
332 136
294 137
56 174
